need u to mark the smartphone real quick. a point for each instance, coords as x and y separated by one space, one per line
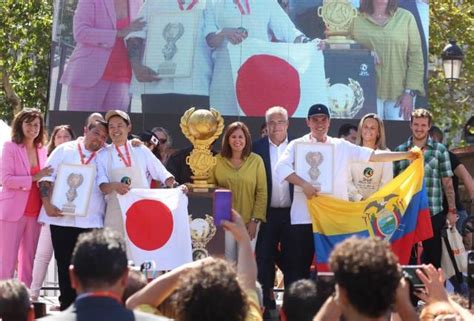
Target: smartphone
470 269
409 273
325 284
222 206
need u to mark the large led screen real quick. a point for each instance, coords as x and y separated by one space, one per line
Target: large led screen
240 56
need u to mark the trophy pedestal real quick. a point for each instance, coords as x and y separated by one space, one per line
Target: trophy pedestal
200 185
340 41
200 208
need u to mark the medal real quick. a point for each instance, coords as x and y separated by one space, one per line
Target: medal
241 8
182 2
243 31
126 180
84 161
128 160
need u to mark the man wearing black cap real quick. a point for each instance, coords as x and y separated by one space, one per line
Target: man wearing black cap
344 152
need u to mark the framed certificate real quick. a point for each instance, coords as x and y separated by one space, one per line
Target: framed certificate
314 162
73 188
170 43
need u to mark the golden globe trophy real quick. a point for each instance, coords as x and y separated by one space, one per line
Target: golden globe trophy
337 16
201 127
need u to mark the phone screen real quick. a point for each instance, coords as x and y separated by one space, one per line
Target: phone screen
325 284
222 205
409 273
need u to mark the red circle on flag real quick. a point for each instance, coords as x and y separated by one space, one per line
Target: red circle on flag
264 81
149 224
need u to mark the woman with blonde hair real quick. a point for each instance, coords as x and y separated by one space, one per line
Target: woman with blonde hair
368 177
243 172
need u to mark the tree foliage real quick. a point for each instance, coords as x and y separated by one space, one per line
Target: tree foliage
451 19
25 33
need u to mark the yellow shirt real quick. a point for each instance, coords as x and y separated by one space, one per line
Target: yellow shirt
253 314
398 46
247 183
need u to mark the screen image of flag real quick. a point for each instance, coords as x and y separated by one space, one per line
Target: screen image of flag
267 74
398 213
157 226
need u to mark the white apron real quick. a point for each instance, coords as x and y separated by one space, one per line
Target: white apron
113 214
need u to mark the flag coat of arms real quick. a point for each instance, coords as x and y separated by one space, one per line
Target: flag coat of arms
277 74
157 226
398 213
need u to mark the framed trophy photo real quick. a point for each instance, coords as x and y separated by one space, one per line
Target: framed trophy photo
314 162
73 188
170 43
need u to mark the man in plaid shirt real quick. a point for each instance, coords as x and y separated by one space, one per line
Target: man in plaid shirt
438 176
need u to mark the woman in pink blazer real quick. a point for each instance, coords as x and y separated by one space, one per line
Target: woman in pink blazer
23 160
98 73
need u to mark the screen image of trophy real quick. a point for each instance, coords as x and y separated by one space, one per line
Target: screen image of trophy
170 42
337 16
201 127
172 32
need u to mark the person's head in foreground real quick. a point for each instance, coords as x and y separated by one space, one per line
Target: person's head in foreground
99 263
367 275
300 301
15 302
211 292
439 311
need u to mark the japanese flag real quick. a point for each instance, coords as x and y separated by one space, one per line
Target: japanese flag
157 226
268 74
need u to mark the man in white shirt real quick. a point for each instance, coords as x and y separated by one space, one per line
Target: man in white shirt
344 152
275 241
66 229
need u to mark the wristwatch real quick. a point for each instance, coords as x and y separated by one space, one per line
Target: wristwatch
410 92
255 220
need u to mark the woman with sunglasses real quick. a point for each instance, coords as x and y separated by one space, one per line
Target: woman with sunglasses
368 177
23 160
164 148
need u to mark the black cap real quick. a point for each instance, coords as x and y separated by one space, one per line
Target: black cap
149 137
318 109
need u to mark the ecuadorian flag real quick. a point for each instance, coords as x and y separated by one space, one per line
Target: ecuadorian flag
398 213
